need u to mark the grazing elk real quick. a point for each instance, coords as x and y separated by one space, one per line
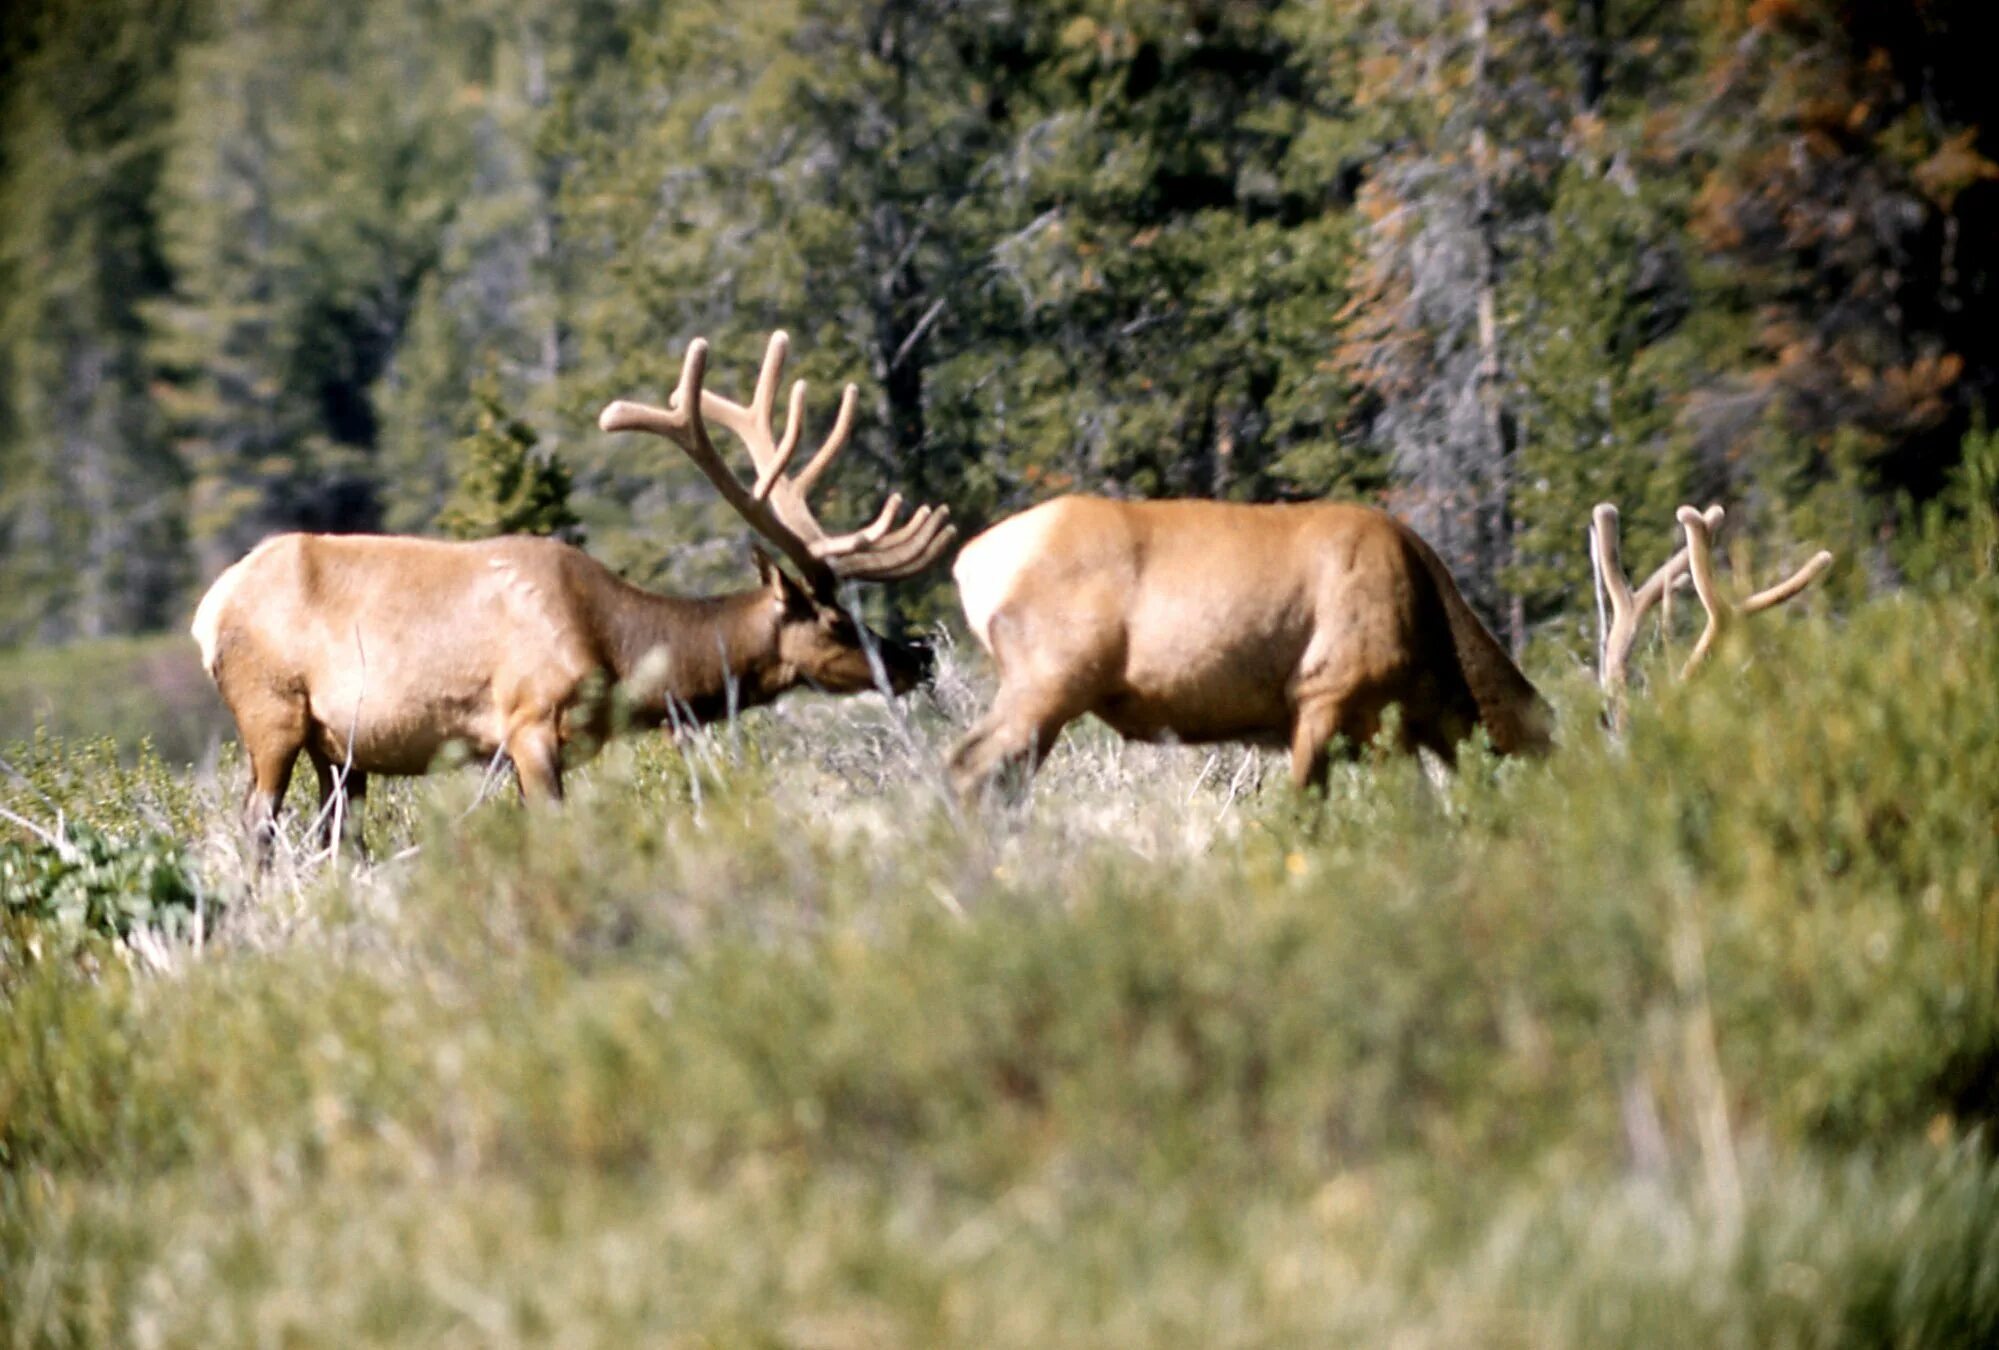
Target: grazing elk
1214 621
371 653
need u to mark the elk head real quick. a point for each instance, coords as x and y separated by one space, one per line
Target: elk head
818 639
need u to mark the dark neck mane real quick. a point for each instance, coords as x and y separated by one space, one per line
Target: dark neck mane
690 649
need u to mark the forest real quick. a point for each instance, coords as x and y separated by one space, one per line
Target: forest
273 265
1685 1032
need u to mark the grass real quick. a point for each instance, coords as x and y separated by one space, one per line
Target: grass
1688 1040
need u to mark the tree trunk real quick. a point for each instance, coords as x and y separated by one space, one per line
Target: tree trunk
1593 77
1498 544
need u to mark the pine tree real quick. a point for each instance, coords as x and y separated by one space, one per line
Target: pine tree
504 486
90 496
1849 170
315 162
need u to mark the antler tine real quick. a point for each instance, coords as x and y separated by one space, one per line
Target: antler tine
752 424
1670 571
912 549
1700 561
1606 554
684 403
836 441
769 473
841 545
763 401
1628 607
683 421
1723 613
1791 585
775 505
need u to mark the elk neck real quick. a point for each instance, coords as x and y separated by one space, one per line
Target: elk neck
693 649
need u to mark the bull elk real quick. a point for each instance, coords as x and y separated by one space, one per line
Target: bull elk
370 653
1207 621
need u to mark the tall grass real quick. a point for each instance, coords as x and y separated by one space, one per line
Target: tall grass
1691 1039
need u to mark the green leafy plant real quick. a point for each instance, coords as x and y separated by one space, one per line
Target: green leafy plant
85 880
1956 534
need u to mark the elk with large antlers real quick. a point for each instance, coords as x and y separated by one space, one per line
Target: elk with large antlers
1216 621
1696 562
371 653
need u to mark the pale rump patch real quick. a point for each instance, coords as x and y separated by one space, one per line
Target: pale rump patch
987 567
207 626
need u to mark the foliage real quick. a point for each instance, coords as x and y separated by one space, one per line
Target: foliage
1956 541
1688 1036
1481 260
505 486
84 881
92 539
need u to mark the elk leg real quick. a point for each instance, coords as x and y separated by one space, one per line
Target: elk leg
1311 729
536 751
349 810
1317 720
270 775
272 728
1015 736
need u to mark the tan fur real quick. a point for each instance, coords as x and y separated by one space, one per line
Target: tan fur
372 653
1212 621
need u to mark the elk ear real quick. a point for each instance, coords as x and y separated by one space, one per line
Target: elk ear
786 595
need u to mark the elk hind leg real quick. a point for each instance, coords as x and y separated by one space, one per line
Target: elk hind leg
1317 720
1008 742
271 759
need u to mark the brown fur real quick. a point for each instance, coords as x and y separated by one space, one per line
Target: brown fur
387 649
1211 621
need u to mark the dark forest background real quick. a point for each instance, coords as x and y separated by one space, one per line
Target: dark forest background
271 264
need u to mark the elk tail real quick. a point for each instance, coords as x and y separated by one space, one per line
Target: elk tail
1514 714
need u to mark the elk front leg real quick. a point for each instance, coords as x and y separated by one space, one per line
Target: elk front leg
536 749
1311 728
1336 709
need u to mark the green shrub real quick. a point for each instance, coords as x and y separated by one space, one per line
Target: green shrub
88 882
1688 1038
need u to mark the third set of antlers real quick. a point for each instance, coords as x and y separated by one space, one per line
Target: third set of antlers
1627 606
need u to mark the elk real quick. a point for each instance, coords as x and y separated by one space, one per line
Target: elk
370 653
1206 621
1696 562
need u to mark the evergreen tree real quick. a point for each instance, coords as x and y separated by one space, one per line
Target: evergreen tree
314 165
504 486
90 506
1180 242
534 83
1488 260
1847 198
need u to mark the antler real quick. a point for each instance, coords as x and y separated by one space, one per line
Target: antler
1722 613
774 505
1627 607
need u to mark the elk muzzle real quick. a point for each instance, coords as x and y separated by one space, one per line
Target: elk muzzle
908 662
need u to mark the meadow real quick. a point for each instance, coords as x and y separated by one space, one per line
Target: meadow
1688 1038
